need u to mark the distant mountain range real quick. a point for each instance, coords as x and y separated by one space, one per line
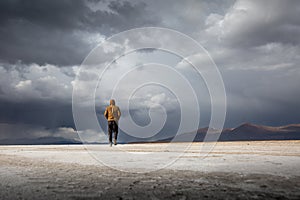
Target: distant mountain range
244 132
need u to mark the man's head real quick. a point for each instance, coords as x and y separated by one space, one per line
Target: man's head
112 102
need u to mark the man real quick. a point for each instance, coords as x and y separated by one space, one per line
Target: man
112 114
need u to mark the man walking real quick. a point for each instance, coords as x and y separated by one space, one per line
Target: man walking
112 114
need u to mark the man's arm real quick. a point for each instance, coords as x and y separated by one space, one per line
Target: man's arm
106 114
119 113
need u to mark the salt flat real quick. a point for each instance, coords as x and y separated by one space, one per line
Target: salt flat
259 170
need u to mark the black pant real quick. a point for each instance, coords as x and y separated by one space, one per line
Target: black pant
112 127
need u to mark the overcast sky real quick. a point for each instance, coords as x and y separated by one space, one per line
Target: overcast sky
255 44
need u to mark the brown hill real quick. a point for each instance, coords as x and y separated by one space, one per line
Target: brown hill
244 132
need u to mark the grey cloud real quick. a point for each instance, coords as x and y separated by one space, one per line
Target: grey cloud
32 82
188 16
255 23
264 97
29 43
56 31
34 134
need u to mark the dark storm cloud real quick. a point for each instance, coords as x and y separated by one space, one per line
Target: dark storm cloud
48 114
58 31
262 98
64 14
41 31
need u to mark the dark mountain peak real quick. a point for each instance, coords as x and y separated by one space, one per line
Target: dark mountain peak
248 128
245 126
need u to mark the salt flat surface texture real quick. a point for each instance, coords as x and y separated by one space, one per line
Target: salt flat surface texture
267 157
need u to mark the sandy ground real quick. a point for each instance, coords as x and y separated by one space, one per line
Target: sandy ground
231 170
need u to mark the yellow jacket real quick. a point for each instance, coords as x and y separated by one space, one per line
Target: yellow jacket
112 113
